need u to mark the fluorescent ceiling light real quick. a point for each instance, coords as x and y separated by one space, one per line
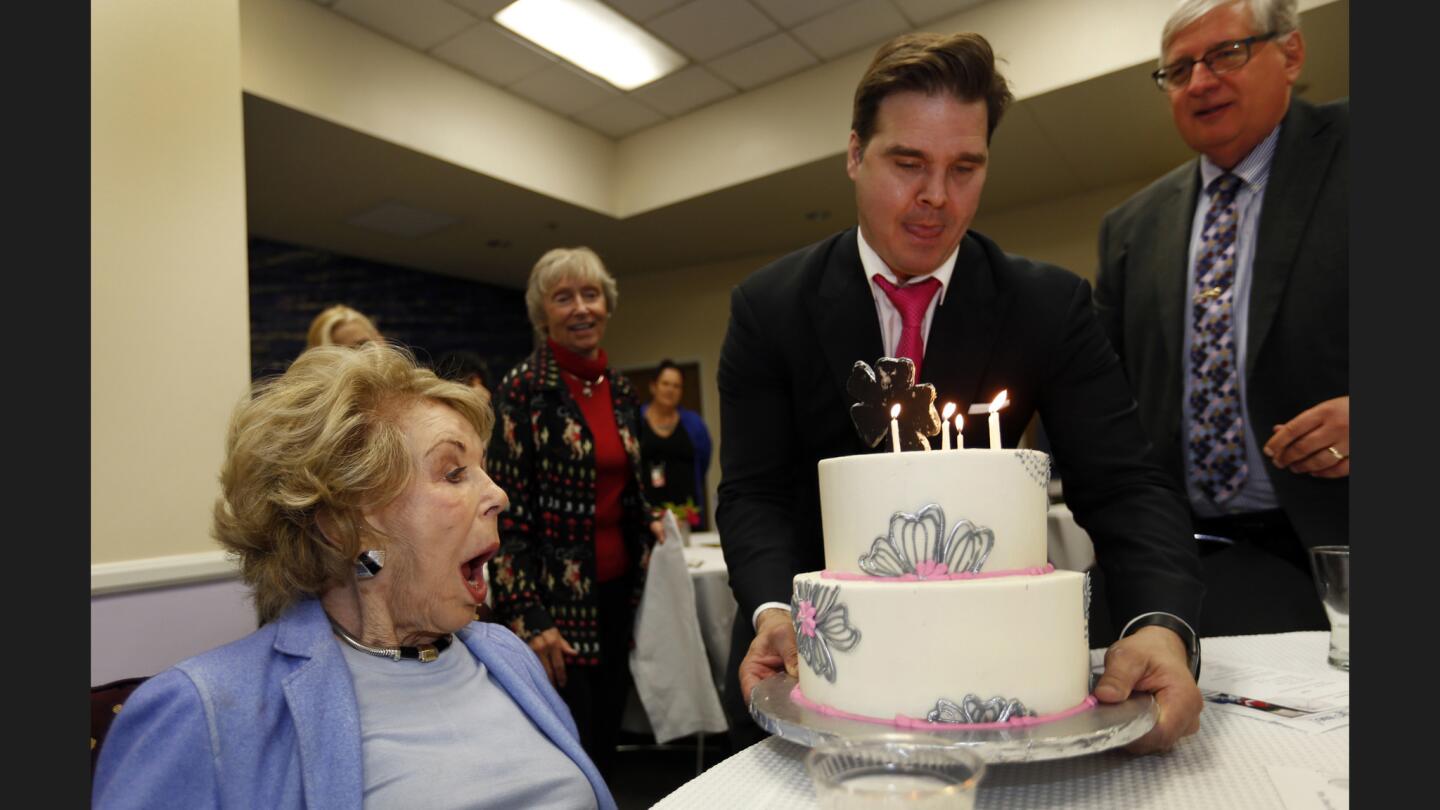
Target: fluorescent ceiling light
593 36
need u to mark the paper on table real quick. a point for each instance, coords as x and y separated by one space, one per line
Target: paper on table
1310 722
1304 789
1280 686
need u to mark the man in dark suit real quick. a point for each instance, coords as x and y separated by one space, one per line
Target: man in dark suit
1224 288
985 321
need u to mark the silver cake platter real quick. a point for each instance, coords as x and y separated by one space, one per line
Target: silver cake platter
1107 725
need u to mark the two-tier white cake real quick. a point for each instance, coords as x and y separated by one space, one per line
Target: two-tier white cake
937 604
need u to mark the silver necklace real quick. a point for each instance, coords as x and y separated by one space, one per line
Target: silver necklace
424 653
586 386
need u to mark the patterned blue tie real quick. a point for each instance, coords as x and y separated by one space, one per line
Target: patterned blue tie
1217 427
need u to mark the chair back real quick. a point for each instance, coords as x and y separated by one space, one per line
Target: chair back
106 701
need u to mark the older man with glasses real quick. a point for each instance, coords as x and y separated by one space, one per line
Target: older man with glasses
1224 288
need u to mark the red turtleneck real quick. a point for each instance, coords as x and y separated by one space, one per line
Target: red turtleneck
612 465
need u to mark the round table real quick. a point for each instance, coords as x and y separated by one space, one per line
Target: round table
1222 766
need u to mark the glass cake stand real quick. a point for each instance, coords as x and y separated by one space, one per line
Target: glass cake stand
1107 725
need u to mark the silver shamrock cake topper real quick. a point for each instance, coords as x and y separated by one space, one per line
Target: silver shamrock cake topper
917 544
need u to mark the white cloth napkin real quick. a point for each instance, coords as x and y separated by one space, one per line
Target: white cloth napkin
671 671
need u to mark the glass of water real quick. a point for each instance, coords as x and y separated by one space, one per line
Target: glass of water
1331 565
894 771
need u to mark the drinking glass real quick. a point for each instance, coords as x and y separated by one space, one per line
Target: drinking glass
1331 565
894 771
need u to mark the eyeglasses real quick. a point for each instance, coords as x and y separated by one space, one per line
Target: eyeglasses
1223 58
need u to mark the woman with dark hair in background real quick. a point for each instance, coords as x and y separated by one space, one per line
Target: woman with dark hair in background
675 460
576 541
466 368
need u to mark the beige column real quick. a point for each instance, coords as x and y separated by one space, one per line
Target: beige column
170 344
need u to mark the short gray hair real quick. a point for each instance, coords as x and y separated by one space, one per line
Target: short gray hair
577 263
1280 16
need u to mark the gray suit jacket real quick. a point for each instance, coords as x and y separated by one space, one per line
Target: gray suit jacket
1298 347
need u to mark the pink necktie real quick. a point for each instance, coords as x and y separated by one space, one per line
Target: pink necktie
911 300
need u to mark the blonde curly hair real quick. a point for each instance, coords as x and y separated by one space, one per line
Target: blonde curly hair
325 435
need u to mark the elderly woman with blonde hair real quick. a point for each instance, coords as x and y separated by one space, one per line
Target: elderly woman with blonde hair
340 326
355 498
575 544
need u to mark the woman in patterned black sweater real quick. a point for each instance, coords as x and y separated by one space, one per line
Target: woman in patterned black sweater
576 540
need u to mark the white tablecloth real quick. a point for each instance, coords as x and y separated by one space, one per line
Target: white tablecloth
682 638
714 602
1223 766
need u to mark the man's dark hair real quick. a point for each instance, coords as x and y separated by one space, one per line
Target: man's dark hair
962 65
667 363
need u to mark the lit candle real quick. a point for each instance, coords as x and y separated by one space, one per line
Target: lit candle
945 425
895 427
995 406
959 431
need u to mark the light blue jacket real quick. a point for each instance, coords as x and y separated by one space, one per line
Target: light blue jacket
272 721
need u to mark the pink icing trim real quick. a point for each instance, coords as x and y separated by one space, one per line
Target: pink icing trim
1013 572
914 723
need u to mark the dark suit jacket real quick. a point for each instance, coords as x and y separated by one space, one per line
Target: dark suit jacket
797 327
1298 346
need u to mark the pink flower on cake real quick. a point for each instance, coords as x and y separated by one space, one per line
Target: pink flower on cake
927 569
821 623
807 618
918 544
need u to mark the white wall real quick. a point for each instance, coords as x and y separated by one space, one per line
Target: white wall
169 324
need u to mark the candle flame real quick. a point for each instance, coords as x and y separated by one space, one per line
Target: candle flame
960 422
1000 401
949 409
895 410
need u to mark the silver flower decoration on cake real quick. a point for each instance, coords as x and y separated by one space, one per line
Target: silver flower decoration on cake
917 544
821 623
972 709
1037 465
1086 590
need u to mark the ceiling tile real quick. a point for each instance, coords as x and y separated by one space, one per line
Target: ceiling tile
704 29
563 89
868 22
765 61
642 10
421 24
492 54
686 90
619 117
922 12
790 12
484 9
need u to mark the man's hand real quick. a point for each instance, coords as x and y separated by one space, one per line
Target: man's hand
772 650
1152 659
1303 444
551 648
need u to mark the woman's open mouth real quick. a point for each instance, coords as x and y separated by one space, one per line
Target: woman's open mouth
473 572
